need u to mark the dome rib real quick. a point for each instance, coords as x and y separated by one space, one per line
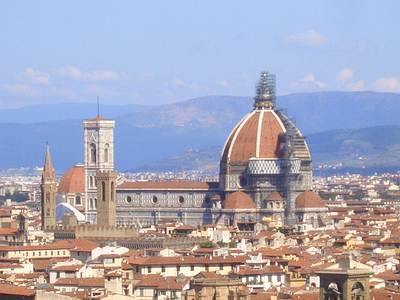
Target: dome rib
255 136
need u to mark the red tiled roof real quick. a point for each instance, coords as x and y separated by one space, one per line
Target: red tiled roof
8 231
256 135
73 181
309 199
13 290
186 260
239 200
274 196
161 283
81 282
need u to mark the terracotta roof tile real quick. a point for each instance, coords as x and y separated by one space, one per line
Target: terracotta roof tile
13 290
239 200
309 199
73 181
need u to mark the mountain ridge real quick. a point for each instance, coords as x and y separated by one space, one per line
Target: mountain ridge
147 134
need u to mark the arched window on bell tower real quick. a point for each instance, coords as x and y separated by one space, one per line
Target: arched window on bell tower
103 191
112 190
106 153
93 153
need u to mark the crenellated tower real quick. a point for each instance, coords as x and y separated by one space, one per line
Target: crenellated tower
106 195
49 191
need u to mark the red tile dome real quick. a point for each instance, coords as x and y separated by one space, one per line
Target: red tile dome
239 200
309 199
73 181
257 135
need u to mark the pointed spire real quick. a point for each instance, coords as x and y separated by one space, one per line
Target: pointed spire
265 91
48 170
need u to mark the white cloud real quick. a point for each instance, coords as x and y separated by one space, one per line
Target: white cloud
74 73
345 75
223 83
388 84
345 80
308 82
178 82
310 37
358 85
35 77
20 89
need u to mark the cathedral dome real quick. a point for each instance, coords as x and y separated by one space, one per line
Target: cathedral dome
239 200
309 199
265 133
257 135
73 181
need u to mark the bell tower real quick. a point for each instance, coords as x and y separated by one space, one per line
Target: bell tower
345 280
49 191
99 156
106 195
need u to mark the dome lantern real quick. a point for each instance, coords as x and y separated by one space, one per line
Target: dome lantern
265 92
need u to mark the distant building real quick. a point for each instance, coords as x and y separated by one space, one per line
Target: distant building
49 192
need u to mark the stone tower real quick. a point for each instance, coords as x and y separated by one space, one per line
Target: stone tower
345 280
49 192
106 195
99 156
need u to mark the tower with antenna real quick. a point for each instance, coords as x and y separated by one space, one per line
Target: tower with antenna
98 157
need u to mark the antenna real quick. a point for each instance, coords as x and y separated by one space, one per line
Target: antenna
98 107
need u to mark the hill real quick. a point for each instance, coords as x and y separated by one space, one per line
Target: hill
147 134
365 150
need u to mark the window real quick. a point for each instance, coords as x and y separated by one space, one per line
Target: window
163 269
103 191
112 190
91 182
221 267
105 158
93 153
91 203
148 269
178 268
48 212
141 293
155 199
192 268
181 199
48 197
95 203
78 200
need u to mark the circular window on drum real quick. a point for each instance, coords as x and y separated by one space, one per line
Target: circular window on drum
154 199
128 199
181 200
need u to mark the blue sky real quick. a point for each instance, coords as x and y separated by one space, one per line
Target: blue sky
153 52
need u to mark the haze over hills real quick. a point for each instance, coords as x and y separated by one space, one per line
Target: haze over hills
364 150
145 135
